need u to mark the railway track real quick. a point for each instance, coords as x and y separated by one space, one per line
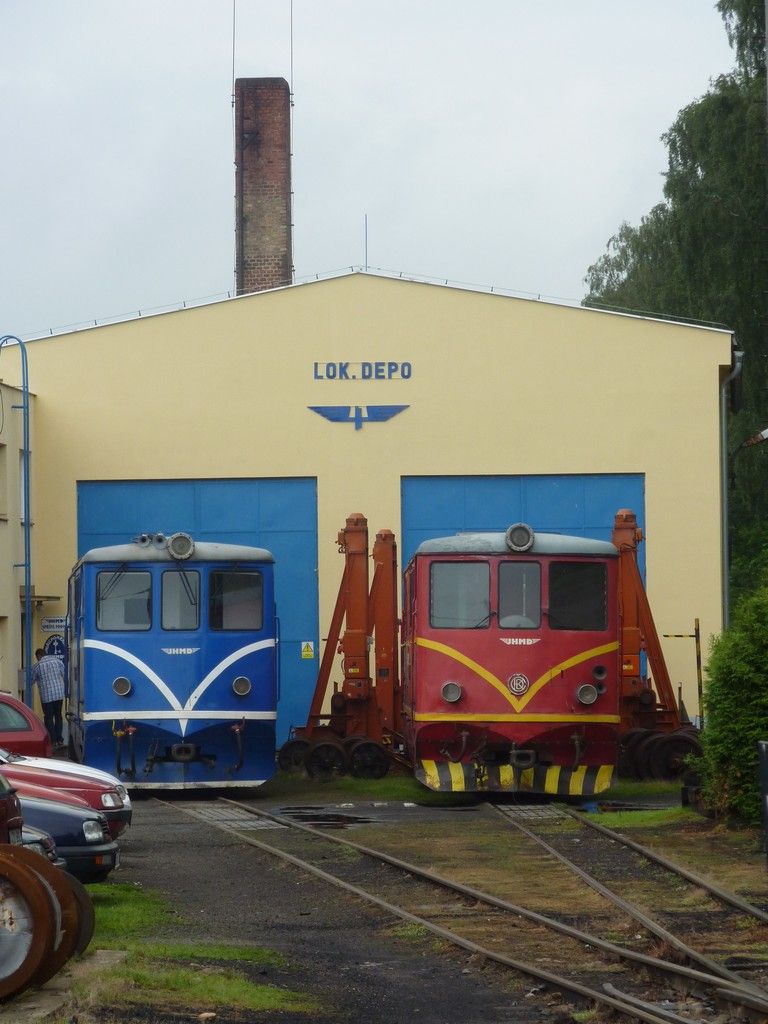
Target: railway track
645 984
676 899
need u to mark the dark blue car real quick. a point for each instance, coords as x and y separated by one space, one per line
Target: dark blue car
81 835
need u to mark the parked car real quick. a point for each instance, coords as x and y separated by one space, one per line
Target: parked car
7 757
98 795
81 835
21 730
10 813
43 843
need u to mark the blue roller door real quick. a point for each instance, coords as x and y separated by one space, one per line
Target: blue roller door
278 514
580 504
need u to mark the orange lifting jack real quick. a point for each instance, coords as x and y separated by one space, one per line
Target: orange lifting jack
364 712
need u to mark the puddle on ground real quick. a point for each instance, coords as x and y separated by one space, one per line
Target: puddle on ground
321 817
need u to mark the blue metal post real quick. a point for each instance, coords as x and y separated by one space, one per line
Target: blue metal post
27 563
762 755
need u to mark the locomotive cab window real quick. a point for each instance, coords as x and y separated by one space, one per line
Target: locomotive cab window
123 600
578 595
519 595
235 600
181 599
459 595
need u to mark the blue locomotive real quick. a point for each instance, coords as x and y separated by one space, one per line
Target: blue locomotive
172 662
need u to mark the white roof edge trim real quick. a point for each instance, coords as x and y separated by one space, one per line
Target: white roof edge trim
495 544
184 305
205 551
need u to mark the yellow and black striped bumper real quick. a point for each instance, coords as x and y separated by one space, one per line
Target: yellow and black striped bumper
450 777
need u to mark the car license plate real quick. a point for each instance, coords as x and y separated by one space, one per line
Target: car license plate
14 835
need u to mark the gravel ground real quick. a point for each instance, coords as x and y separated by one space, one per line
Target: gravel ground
339 949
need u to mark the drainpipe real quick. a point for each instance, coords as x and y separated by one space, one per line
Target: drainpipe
738 360
27 563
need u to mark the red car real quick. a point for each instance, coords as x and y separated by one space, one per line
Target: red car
21 731
100 796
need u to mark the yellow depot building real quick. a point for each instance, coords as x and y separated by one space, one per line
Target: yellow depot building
269 418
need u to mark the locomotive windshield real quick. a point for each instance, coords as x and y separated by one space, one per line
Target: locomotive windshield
123 600
459 595
236 600
578 595
181 599
519 595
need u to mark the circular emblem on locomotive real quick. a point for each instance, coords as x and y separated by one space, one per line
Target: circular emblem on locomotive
518 683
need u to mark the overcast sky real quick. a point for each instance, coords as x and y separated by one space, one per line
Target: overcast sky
492 142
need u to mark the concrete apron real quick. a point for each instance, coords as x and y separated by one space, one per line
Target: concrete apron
40 1003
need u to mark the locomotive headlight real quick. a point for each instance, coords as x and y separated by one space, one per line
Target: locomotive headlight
587 694
122 686
181 546
451 692
519 537
242 686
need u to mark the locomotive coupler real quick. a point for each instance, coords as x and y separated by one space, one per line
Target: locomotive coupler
522 758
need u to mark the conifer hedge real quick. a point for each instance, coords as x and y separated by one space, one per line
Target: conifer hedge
736 711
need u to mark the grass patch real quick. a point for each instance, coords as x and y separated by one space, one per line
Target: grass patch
212 951
124 912
409 931
631 789
646 819
146 978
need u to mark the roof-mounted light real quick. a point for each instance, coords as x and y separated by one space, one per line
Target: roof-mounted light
519 537
181 546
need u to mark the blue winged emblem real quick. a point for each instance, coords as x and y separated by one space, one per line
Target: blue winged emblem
357 414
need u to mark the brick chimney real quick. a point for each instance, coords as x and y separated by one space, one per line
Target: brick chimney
263 256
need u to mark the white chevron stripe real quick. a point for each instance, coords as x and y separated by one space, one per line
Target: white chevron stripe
187 710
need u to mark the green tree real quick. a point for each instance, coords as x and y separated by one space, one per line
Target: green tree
736 709
702 253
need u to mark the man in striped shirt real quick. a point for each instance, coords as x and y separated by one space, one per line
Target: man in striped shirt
48 673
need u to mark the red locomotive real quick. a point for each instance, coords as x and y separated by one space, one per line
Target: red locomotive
517 665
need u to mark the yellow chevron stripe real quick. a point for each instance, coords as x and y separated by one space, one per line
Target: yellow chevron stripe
518 703
507 776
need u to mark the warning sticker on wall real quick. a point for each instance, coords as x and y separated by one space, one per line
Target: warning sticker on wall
308 649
